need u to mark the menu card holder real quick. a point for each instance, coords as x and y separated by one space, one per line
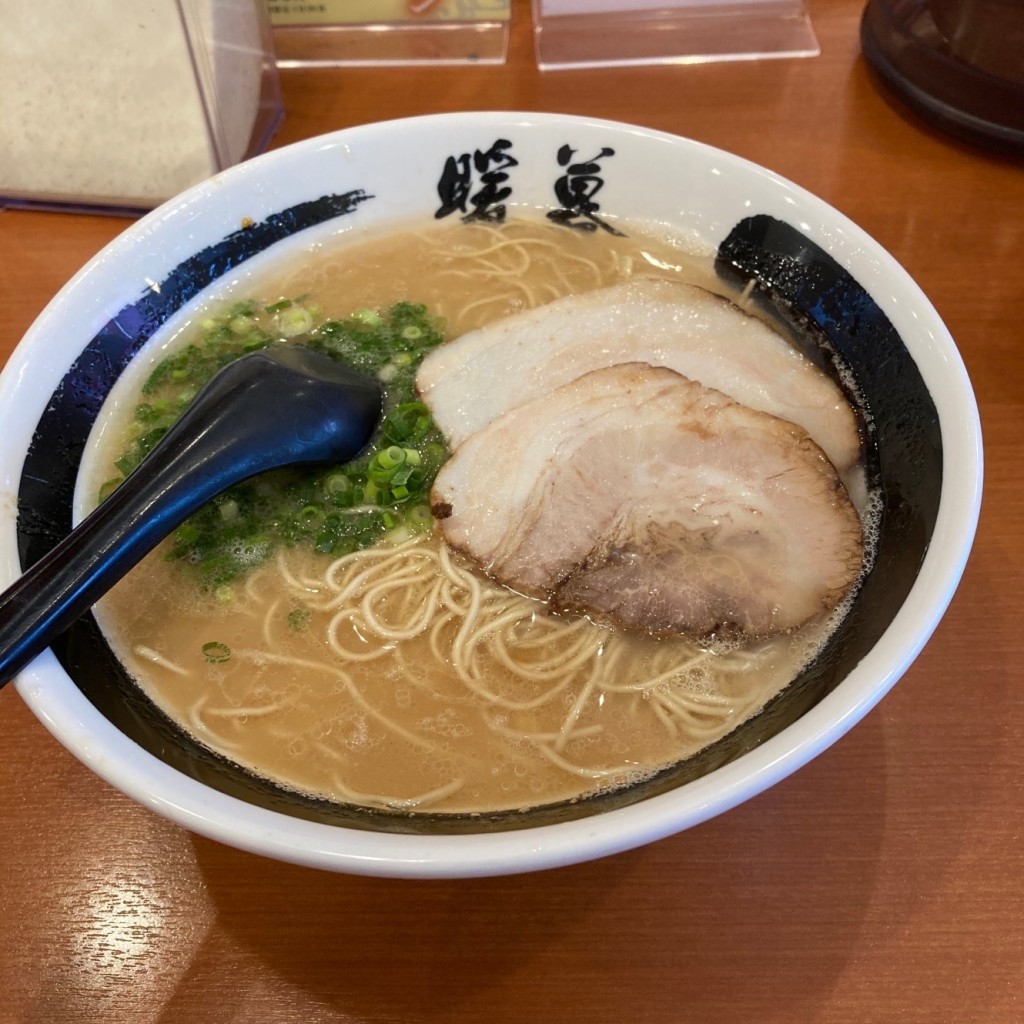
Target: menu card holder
370 33
595 33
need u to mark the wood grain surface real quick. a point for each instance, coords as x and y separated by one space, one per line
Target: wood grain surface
880 884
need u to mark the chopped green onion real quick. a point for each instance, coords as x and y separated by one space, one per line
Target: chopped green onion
370 317
391 457
215 652
294 321
298 618
419 517
334 510
402 475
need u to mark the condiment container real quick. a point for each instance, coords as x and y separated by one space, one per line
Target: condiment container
121 104
957 63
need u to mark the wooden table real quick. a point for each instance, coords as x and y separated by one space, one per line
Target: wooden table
882 883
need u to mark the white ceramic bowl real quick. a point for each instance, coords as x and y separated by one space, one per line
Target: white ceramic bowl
811 264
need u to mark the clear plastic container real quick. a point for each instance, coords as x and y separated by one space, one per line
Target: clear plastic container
115 105
368 33
596 33
957 63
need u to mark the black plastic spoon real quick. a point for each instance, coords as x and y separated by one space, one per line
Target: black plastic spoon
282 406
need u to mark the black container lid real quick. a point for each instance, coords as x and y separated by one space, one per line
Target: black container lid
957 63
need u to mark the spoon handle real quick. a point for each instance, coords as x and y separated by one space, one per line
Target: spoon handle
71 577
239 425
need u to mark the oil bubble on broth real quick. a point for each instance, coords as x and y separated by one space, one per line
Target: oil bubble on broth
397 675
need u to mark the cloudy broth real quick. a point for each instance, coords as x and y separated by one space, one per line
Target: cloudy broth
475 699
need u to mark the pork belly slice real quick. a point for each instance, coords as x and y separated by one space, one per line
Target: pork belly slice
482 374
645 500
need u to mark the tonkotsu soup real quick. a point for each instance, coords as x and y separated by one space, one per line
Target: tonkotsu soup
339 647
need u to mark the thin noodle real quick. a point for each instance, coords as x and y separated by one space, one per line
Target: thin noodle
576 710
409 737
248 712
397 803
158 659
202 731
663 716
466 623
550 737
272 657
268 637
345 653
309 585
575 769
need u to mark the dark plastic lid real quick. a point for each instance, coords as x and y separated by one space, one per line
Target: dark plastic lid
957 63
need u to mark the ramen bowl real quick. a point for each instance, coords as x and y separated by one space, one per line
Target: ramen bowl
798 260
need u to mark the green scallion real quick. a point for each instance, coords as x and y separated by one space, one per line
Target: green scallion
370 317
215 652
334 510
298 619
294 321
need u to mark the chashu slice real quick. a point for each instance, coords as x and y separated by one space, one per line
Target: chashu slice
475 378
650 502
